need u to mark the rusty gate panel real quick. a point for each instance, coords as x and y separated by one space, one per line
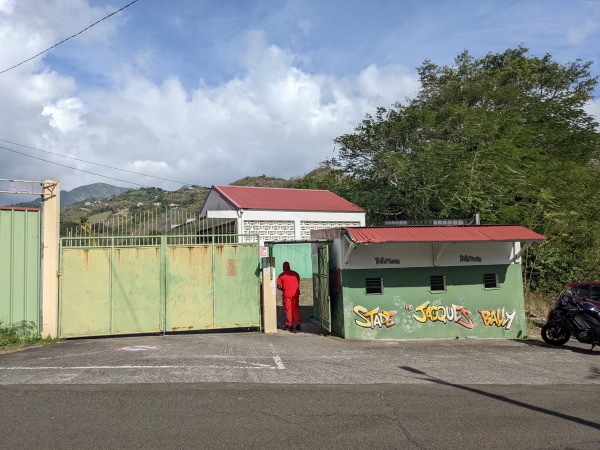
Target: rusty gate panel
189 288
109 289
20 265
236 286
85 294
136 290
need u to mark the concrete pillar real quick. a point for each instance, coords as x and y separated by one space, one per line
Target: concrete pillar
50 257
269 297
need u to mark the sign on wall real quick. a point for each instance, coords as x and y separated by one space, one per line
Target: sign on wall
400 255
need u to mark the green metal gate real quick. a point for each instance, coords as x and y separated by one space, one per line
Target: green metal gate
19 265
321 287
130 285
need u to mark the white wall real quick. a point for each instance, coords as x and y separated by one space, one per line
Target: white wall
392 255
214 202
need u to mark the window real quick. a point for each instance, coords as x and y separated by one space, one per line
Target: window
583 291
374 285
438 283
491 281
595 292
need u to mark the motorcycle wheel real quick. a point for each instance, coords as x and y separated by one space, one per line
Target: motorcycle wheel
553 334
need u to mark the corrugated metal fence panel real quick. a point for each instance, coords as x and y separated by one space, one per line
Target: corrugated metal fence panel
136 290
189 288
298 255
85 294
19 266
236 286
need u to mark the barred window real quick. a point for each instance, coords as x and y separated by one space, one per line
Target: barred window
438 283
374 285
491 281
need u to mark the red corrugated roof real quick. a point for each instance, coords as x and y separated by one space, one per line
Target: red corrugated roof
461 233
285 199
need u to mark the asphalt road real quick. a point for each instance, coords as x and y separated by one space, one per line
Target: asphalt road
299 390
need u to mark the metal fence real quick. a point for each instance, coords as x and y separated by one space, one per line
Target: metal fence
144 227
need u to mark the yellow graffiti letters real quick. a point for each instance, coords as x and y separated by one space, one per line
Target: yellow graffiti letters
497 318
444 314
373 318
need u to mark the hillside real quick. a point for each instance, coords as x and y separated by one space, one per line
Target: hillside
155 204
90 192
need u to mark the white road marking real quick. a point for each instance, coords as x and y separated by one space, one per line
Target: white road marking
278 362
277 359
261 366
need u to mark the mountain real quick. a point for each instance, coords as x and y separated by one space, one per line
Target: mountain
90 192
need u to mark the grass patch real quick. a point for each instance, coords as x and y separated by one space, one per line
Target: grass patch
537 305
20 335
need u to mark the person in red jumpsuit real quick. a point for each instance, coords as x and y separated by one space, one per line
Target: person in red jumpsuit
288 282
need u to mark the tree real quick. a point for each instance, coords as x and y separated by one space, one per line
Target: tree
504 135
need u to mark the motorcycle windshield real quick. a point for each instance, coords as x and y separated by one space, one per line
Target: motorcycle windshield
589 307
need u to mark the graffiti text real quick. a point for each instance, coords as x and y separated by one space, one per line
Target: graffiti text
453 313
373 318
497 317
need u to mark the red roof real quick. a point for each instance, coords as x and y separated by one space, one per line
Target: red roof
461 233
242 197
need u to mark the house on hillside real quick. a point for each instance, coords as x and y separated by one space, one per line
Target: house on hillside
282 219
423 281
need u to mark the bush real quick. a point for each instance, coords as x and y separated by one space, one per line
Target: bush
23 332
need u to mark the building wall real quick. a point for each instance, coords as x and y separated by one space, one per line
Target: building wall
280 230
298 255
408 309
430 254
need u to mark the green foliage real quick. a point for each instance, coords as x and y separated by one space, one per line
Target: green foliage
505 136
188 198
262 181
20 333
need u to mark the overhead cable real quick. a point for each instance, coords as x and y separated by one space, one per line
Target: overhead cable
74 168
64 40
89 162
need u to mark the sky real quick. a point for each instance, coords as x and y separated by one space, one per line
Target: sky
205 92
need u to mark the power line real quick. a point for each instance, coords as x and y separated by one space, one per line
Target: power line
64 40
88 162
74 168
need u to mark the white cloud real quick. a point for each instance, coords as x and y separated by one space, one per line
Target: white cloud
64 114
593 108
274 119
101 96
578 34
6 6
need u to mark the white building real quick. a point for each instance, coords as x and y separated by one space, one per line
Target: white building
277 214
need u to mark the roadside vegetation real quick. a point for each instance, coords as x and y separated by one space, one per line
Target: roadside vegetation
20 335
506 136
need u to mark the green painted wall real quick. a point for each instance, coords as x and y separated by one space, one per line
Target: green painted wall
19 266
298 255
407 309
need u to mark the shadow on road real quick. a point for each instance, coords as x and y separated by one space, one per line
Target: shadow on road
501 398
567 347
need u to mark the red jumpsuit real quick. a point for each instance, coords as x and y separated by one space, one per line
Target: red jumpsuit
289 283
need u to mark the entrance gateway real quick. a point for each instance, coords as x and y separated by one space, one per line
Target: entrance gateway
118 284
146 284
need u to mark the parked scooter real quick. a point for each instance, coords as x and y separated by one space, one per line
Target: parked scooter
572 318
